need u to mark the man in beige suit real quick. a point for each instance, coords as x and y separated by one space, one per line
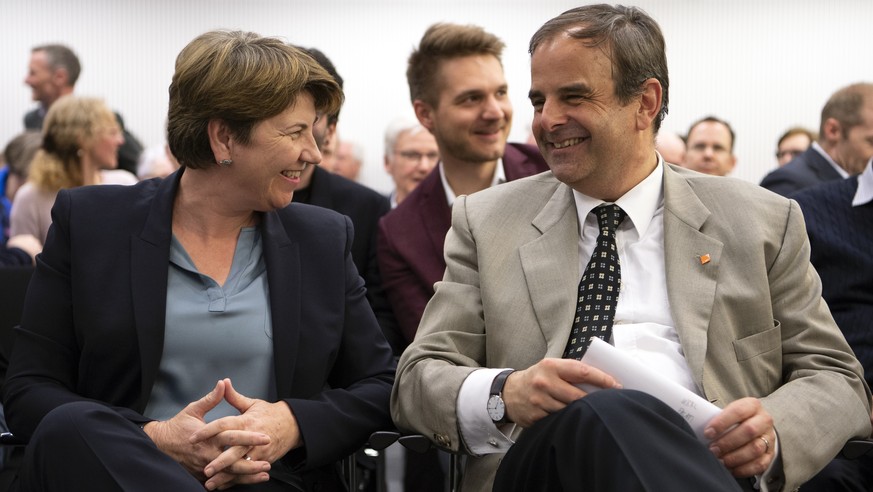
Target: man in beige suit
722 301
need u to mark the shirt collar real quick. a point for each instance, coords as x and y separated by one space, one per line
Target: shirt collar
864 194
640 203
499 177
832 162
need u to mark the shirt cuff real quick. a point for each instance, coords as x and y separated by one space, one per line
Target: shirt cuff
480 434
773 473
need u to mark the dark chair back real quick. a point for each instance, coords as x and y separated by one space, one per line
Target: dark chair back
13 288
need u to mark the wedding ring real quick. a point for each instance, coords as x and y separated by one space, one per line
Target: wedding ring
766 444
249 458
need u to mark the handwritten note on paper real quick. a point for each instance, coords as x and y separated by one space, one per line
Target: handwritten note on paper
634 375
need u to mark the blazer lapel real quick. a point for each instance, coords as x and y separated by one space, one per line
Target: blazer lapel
692 262
551 268
282 256
149 260
515 164
521 160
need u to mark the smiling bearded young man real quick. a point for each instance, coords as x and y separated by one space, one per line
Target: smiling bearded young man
723 303
460 95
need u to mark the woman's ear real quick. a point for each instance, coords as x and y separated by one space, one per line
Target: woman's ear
83 144
220 140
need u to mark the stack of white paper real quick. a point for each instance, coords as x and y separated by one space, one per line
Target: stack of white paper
631 374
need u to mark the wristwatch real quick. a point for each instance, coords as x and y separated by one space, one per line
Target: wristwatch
496 406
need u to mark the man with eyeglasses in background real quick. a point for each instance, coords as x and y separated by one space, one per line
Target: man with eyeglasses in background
792 143
411 152
844 145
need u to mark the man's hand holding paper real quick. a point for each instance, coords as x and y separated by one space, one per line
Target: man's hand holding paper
549 386
743 437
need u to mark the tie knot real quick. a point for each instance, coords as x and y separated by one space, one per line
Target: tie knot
609 217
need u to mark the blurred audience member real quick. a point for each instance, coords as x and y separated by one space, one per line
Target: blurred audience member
80 147
325 127
844 145
411 152
52 73
156 162
18 154
792 143
362 205
328 152
710 147
19 250
348 159
839 222
671 147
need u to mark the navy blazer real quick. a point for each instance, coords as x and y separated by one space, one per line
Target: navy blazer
93 321
411 238
807 169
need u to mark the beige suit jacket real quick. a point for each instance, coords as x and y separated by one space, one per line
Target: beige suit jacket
751 321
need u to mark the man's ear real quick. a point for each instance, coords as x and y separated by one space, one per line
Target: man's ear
424 113
220 139
60 77
329 136
831 131
649 103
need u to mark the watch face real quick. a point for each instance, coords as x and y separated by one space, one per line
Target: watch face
496 408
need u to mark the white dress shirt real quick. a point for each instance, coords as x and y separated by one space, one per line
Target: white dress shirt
499 177
864 193
839 169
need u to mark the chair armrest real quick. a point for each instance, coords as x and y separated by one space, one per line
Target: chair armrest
380 440
9 439
415 442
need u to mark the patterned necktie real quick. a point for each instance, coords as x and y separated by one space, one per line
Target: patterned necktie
599 287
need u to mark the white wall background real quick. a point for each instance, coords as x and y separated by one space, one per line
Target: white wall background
761 65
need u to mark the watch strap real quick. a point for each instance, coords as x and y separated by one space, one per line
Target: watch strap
500 381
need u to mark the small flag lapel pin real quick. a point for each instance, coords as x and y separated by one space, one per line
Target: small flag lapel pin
704 259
